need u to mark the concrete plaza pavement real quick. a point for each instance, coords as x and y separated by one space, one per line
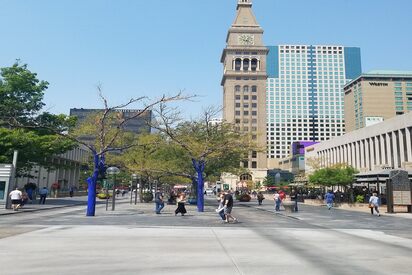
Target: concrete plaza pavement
134 240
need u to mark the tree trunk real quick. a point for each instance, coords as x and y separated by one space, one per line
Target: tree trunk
92 181
200 168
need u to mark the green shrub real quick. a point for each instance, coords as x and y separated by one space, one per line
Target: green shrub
360 198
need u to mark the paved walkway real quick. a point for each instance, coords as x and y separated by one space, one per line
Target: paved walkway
51 203
268 205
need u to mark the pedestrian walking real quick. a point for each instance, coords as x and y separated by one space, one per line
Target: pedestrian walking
374 204
220 209
294 197
71 191
329 197
15 197
159 201
260 198
43 195
278 200
181 200
228 205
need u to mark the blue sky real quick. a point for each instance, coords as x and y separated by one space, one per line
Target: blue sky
135 47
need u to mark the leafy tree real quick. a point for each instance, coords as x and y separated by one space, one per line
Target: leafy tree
34 149
338 175
21 94
269 181
21 100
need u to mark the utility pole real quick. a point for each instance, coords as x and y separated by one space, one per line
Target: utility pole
12 179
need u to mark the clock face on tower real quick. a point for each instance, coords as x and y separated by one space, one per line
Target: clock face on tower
246 39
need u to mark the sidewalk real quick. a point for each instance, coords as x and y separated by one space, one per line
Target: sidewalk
341 207
51 203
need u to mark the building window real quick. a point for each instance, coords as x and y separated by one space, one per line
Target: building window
246 64
237 88
245 89
254 89
254 64
254 164
238 64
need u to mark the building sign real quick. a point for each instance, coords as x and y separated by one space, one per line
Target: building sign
378 84
371 120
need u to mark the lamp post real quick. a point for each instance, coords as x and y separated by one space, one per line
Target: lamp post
113 171
134 188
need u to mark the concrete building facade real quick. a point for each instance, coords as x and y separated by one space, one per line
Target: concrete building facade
376 96
244 82
304 96
384 145
66 174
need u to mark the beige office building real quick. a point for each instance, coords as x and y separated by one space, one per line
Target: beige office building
244 82
376 96
384 145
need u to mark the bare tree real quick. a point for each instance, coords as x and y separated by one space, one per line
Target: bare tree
204 141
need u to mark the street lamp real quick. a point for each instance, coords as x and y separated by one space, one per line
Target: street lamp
113 171
135 177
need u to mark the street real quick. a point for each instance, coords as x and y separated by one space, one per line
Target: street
134 240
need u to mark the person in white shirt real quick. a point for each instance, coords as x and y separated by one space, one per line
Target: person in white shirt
15 197
278 200
374 203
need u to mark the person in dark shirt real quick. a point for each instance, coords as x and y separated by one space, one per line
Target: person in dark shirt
159 201
228 205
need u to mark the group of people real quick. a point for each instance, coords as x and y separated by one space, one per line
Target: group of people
224 210
19 198
373 202
160 204
225 207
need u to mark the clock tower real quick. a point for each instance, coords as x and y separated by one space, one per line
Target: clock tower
244 82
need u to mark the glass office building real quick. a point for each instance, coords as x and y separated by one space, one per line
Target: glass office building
304 98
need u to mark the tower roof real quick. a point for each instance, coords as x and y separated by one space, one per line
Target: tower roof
245 16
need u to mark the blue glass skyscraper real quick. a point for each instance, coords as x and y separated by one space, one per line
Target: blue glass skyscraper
304 94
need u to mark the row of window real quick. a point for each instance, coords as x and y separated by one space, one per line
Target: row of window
246 113
246 64
246 105
246 97
246 89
